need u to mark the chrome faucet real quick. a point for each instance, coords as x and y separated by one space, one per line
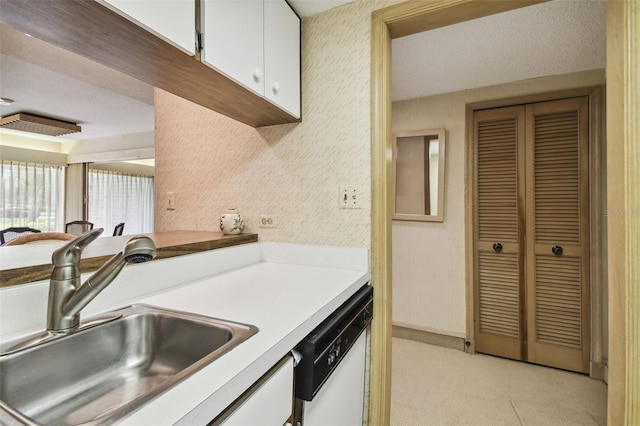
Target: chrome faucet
67 297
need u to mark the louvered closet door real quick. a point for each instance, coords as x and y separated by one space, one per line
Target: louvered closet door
557 244
499 258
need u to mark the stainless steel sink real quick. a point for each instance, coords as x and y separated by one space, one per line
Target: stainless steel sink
100 374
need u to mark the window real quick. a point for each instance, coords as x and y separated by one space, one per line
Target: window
116 197
32 195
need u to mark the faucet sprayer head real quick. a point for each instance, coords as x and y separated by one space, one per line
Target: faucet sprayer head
139 249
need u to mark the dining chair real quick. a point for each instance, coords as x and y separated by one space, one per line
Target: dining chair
118 229
78 227
39 237
9 234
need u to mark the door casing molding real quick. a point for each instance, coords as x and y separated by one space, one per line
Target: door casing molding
623 148
395 21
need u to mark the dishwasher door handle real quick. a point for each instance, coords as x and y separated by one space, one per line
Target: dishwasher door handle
297 357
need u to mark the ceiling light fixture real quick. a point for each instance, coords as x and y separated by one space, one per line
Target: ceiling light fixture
35 124
6 101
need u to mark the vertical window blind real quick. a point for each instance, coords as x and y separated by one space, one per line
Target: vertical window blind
31 195
116 197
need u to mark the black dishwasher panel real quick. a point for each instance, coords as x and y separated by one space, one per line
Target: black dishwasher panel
323 348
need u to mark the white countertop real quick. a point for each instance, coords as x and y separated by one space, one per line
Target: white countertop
284 290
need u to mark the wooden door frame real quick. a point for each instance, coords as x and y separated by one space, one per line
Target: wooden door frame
597 180
395 21
623 148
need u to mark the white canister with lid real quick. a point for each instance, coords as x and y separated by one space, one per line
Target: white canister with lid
231 222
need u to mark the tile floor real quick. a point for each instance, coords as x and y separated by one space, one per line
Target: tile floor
432 385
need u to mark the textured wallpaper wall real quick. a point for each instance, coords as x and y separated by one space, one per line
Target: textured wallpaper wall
291 171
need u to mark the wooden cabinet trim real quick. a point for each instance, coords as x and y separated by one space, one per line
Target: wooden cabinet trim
104 36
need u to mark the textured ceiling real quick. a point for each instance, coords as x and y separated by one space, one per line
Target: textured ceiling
311 7
48 81
552 38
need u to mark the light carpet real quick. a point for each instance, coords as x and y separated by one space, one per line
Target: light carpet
432 385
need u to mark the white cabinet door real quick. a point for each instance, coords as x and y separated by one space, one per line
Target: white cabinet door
257 44
282 55
171 20
233 33
271 403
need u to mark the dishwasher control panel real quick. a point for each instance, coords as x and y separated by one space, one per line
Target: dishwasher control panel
324 348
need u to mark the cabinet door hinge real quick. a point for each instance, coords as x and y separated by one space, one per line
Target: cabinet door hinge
199 41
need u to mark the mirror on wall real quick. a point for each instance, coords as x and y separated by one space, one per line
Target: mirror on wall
115 112
418 175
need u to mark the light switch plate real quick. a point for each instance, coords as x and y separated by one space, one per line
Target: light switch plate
349 197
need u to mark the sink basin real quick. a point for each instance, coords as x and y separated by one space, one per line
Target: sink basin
103 373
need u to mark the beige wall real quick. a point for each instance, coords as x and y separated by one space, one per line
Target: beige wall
428 257
19 140
291 171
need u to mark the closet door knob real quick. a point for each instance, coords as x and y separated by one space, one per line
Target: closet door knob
557 250
497 247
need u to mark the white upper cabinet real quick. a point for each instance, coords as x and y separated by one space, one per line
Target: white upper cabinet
282 55
172 20
257 44
232 34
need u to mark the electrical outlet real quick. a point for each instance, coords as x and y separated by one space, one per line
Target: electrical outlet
171 200
349 197
268 221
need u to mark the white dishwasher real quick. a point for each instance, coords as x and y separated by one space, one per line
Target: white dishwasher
330 376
